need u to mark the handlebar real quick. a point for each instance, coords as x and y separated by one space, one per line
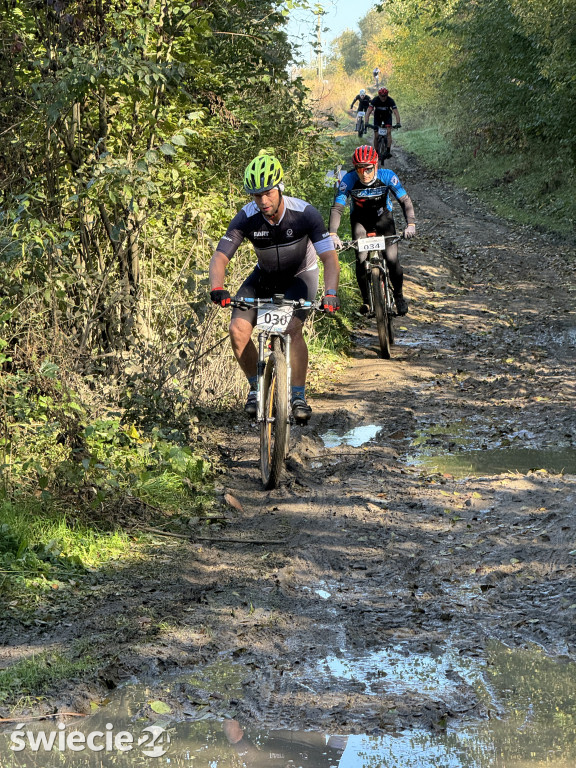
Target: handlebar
375 128
353 243
248 302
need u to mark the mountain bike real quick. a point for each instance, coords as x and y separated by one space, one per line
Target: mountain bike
380 294
274 379
382 142
361 128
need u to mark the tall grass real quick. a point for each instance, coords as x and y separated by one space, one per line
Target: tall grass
533 188
35 539
36 674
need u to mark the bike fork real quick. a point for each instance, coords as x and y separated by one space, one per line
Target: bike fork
261 368
288 374
262 339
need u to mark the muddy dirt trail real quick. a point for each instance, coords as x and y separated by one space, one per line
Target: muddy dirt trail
380 552
386 546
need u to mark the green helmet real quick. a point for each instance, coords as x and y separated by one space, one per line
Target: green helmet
262 174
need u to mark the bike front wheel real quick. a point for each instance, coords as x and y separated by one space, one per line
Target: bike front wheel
274 433
360 127
382 149
383 313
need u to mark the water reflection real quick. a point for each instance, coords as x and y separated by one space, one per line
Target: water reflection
355 437
472 447
397 671
537 695
497 462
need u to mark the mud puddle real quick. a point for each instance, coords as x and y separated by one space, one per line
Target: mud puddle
529 702
498 462
354 437
469 448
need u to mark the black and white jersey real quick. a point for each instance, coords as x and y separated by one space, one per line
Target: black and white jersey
289 247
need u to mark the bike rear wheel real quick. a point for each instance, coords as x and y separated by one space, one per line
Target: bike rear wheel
383 313
274 432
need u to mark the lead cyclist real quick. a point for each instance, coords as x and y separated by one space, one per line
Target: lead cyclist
288 235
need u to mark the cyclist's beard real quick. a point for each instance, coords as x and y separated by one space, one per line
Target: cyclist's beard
270 216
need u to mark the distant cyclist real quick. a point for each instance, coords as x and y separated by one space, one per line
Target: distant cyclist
363 100
376 74
383 107
287 234
369 190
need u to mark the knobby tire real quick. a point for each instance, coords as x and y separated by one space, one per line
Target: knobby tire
383 315
274 428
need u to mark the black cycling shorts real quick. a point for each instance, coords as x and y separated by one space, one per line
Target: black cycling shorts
260 285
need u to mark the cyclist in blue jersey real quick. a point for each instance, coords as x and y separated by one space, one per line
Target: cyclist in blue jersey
288 236
370 190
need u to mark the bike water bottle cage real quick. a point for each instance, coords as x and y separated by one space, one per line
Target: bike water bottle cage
263 174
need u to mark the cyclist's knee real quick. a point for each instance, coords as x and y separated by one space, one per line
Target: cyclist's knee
294 329
240 329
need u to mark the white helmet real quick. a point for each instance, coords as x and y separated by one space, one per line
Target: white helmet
362 92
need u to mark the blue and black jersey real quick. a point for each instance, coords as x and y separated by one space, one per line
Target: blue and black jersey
289 247
367 202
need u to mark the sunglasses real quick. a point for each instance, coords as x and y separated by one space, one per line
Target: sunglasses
364 167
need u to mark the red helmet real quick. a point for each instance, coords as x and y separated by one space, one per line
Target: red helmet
365 154
383 92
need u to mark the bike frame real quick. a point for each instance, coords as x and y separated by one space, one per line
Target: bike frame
274 381
381 306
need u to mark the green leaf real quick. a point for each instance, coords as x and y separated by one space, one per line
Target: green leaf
48 369
160 707
179 140
167 149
